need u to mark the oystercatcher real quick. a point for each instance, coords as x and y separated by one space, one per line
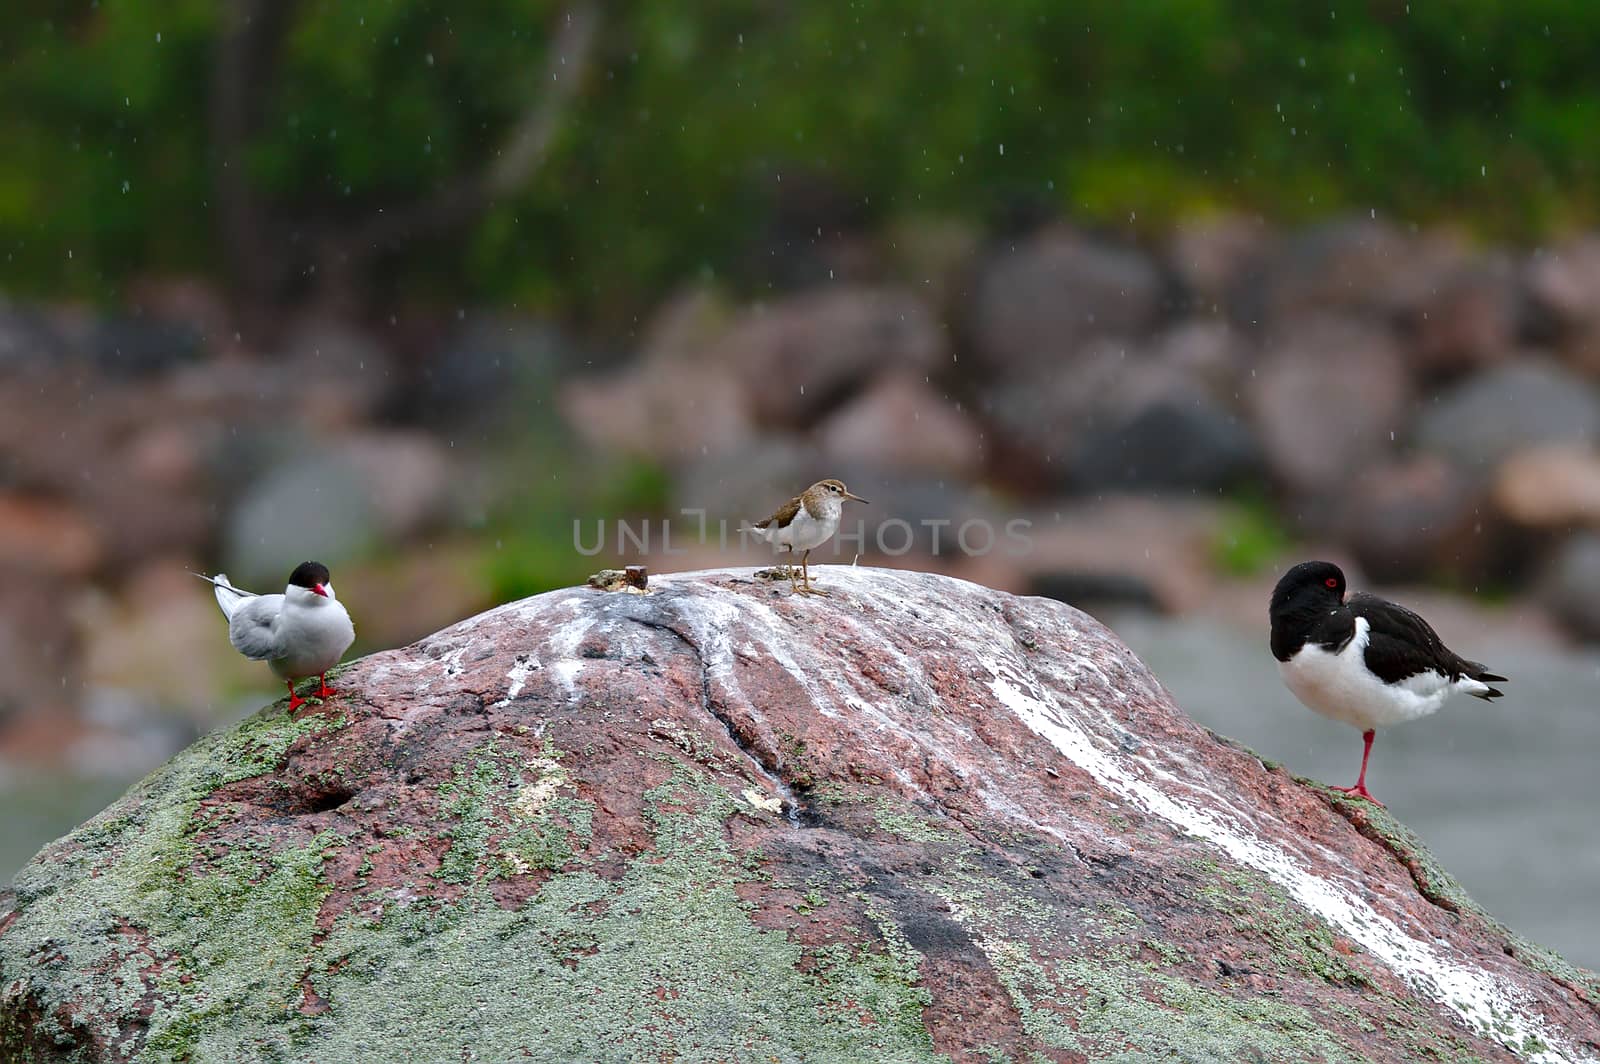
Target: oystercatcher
1364 660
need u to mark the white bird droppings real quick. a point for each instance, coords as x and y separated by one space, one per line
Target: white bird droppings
1470 992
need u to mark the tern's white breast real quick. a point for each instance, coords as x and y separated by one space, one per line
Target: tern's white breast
314 638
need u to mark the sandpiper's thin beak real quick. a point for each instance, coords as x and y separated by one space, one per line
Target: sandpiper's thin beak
318 589
857 498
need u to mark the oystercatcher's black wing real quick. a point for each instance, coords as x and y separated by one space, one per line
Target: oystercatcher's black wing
1400 644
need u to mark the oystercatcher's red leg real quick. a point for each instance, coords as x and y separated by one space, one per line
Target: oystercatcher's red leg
323 690
295 701
1360 789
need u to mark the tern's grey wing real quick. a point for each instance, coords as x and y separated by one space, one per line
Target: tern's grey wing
253 627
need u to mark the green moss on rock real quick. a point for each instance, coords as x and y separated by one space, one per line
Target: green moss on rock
1107 1003
512 816
664 961
196 943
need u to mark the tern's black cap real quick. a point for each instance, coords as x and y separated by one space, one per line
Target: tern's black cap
309 575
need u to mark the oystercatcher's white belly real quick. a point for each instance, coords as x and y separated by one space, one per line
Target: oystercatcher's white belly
1340 687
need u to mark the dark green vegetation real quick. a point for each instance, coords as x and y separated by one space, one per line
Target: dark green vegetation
704 137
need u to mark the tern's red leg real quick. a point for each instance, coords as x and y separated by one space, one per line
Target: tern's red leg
295 701
1360 789
323 690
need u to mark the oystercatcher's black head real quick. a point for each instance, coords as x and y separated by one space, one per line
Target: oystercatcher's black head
1301 602
1309 586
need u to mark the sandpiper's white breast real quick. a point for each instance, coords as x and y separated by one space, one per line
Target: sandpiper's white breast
1339 685
804 531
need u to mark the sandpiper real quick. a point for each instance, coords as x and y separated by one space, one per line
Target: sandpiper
804 523
302 632
1365 661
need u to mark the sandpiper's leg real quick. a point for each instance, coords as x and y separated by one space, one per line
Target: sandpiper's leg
805 574
788 567
323 690
295 701
1360 789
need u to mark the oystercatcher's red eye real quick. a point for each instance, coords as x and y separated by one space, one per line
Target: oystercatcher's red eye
1332 581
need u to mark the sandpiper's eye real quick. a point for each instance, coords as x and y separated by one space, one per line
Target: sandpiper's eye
1332 581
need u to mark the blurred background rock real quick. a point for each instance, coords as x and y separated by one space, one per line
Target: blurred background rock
1145 301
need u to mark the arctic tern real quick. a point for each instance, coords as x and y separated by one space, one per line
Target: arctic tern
302 632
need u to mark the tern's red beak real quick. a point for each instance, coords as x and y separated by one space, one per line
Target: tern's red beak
318 589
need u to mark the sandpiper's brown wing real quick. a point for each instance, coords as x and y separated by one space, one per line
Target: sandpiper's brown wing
783 516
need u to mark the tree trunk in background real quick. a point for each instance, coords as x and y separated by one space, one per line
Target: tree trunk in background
248 49
257 240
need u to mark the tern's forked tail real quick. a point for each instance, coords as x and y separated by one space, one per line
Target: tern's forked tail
228 596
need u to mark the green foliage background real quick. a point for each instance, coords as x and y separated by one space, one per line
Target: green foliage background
693 115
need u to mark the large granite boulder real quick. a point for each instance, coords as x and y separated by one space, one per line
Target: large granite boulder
916 820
